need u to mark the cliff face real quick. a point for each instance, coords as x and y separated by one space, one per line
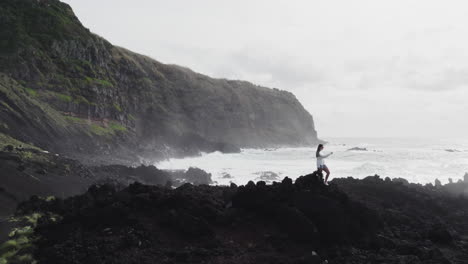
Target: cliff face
66 89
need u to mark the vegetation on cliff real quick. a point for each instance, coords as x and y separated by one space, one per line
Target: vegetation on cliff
91 96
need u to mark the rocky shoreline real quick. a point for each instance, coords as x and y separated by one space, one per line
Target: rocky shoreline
27 171
372 220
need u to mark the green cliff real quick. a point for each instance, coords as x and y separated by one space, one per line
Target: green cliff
65 89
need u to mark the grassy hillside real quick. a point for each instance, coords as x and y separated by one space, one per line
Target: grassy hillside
67 89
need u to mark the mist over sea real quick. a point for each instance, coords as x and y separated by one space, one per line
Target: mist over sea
417 160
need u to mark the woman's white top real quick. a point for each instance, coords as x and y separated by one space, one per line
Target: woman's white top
321 159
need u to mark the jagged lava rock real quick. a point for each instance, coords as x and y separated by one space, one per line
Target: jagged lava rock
255 223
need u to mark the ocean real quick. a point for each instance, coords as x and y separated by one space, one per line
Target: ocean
417 160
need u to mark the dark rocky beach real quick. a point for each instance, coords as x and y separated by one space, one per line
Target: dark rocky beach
82 120
120 220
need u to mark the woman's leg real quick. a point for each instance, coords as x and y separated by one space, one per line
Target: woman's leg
320 173
325 168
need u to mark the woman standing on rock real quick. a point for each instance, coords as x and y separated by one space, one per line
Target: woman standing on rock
321 162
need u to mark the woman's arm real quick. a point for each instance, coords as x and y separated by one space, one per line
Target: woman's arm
325 156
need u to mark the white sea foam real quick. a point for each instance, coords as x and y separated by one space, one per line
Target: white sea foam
417 160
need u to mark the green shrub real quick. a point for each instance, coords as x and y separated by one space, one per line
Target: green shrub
63 97
105 83
99 130
27 155
110 130
25 231
31 92
117 127
19 247
117 107
7 140
78 68
32 219
8 246
81 100
27 258
75 119
7 106
51 198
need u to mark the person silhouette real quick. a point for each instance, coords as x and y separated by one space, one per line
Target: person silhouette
321 162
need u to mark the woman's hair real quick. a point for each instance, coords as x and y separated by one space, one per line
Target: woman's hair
320 146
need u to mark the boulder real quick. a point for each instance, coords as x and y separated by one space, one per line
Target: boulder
439 234
357 149
437 183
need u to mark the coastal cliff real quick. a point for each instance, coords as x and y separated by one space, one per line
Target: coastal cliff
68 90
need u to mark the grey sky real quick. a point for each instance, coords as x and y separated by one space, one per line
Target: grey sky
362 67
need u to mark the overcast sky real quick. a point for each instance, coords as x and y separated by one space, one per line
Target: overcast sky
362 68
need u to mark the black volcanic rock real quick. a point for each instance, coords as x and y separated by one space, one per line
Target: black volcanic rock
198 176
23 174
419 221
122 176
193 175
452 150
350 221
268 176
68 90
456 189
357 149
439 234
26 172
256 223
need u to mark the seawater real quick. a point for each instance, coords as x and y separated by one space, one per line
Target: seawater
417 160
